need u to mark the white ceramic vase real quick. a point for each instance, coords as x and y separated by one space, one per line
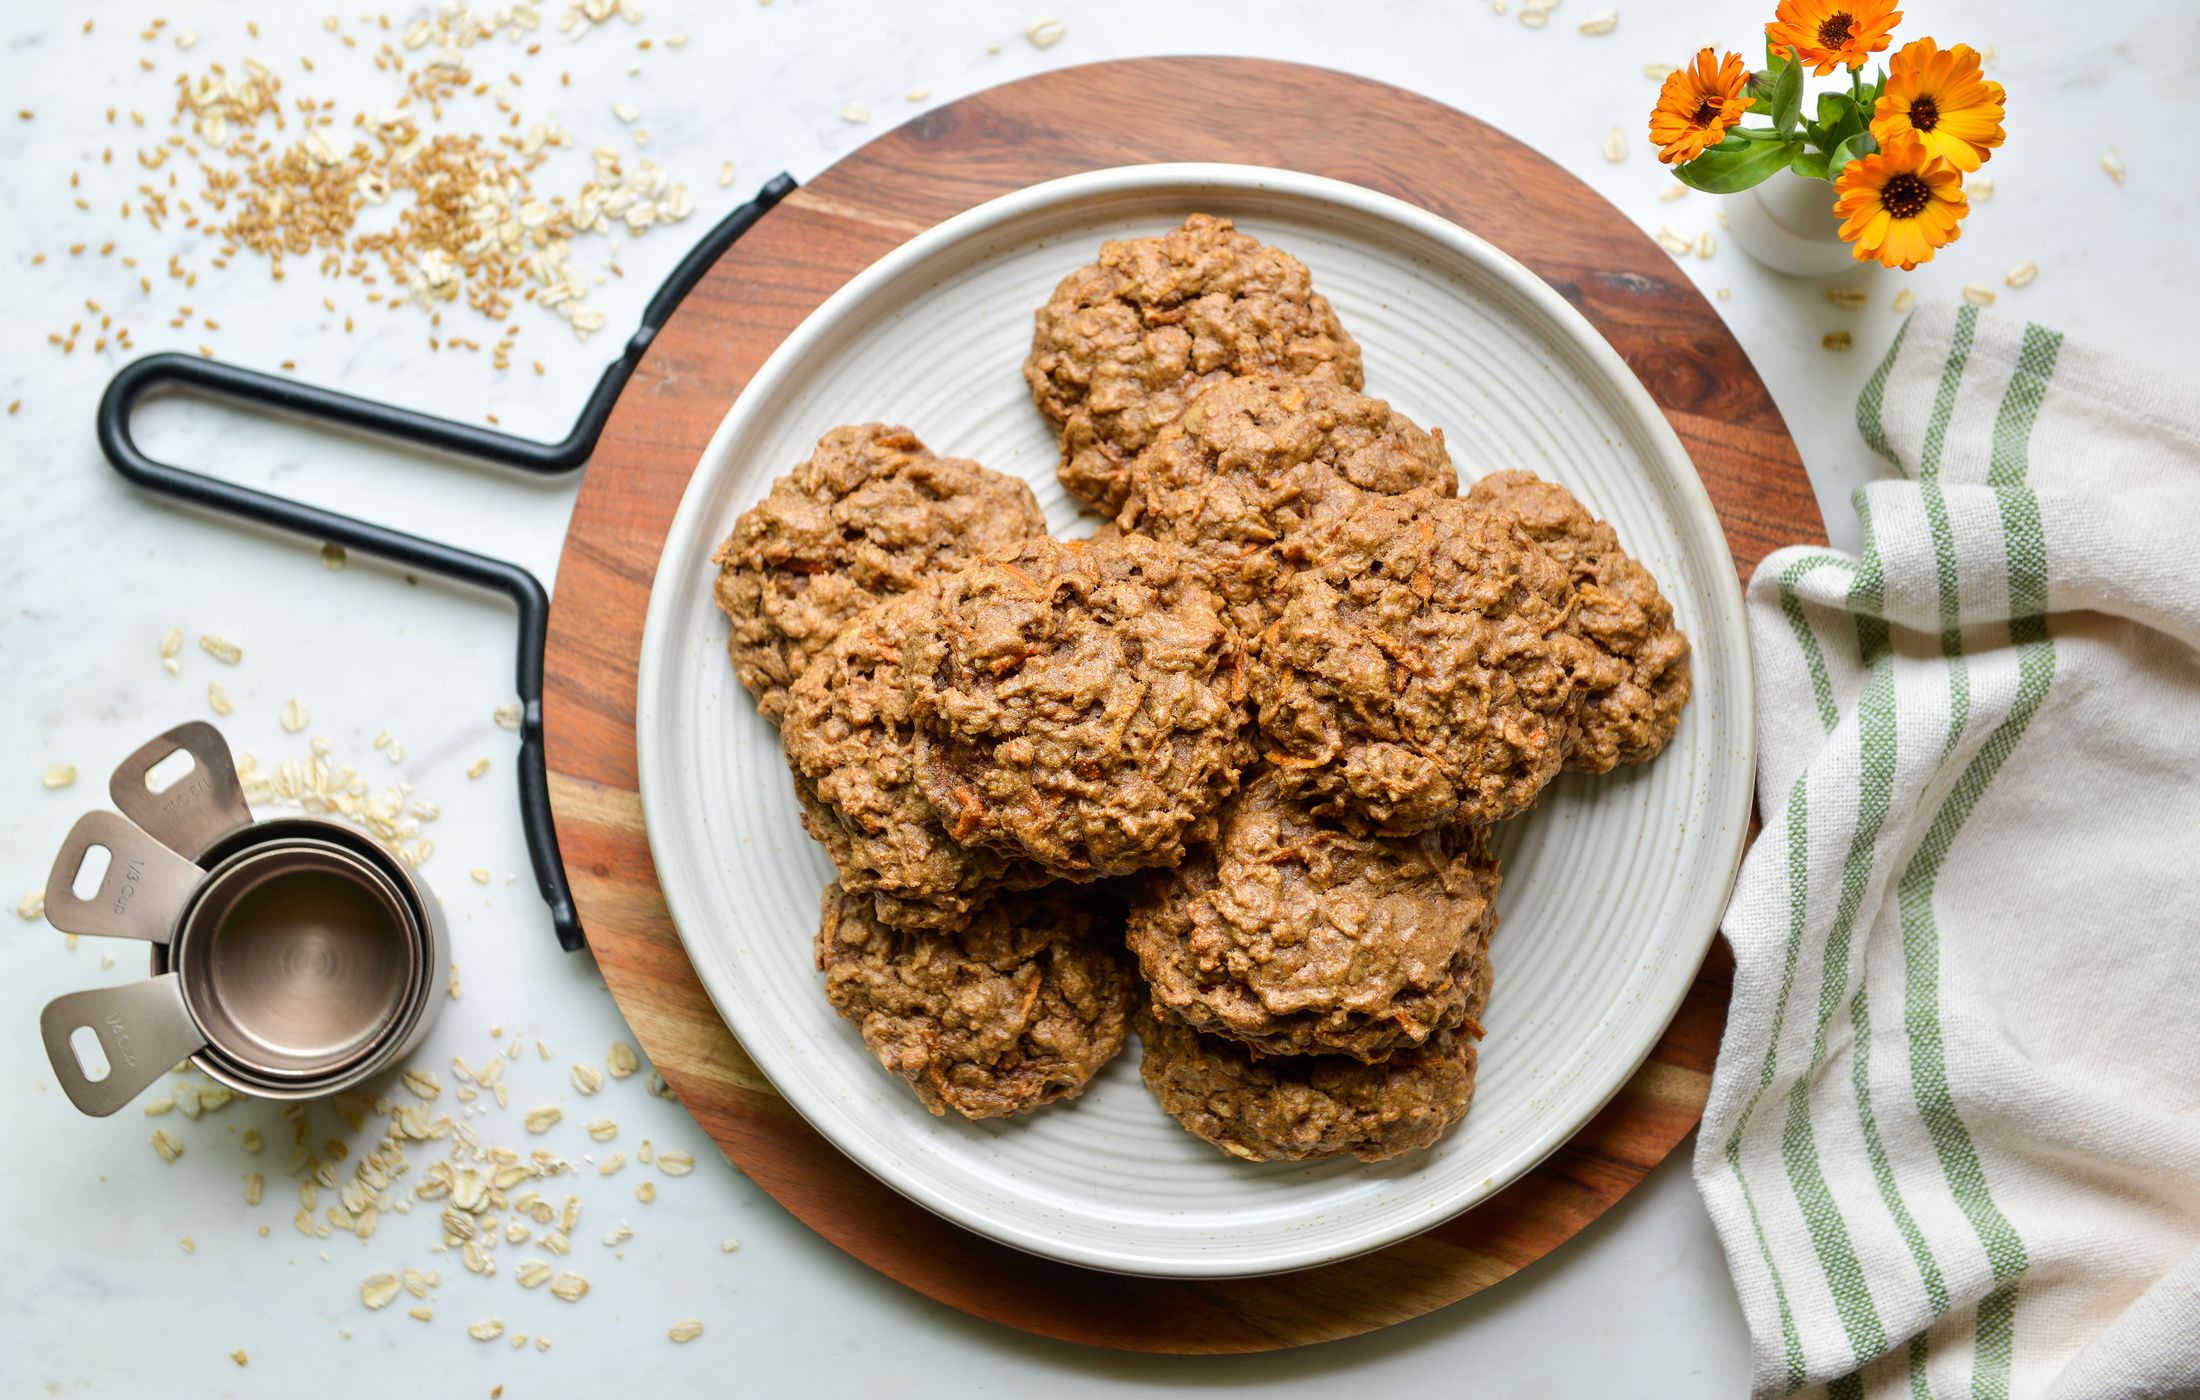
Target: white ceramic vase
1787 224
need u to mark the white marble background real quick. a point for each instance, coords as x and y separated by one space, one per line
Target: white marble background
97 1294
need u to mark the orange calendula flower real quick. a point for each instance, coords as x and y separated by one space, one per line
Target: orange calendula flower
1940 97
1899 205
1832 33
1697 105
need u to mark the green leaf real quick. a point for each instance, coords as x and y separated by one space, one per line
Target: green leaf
1811 165
1833 109
1855 147
1774 59
1787 99
1725 169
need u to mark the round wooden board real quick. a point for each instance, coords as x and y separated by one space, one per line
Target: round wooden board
1248 111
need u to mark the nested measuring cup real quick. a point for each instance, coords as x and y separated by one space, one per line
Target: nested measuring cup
291 958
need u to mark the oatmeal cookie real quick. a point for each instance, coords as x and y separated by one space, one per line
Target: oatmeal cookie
852 748
867 515
1632 703
1422 671
1081 705
1292 1108
1296 937
1255 463
1019 1009
1126 342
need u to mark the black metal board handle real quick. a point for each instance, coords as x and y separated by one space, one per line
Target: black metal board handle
236 384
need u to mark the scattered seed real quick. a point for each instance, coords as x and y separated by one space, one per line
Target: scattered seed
1904 300
855 113
725 174
728 1245
477 768
674 1161
1837 340
171 641
1602 22
919 93
379 1290
254 1186
59 776
1848 298
1706 245
295 717
1046 33
687 1329
421 1314
217 698
1978 294
481 875
2113 164
238 1355
486 1330
1615 145
221 649
2019 276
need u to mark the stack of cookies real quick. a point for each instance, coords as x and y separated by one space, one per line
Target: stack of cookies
1221 771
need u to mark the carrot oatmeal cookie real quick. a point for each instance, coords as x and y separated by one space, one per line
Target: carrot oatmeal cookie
1126 342
1256 463
852 748
867 515
1017 1010
1293 1108
1633 702
1080 705
1422 671
1296 937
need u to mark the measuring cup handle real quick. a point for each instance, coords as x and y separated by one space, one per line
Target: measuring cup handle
200 808
143 1028
145 887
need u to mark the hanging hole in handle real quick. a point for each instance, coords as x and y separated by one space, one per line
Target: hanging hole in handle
169 771
92 873
91 1056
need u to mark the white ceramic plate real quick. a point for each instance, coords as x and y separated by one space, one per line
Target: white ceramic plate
1612 886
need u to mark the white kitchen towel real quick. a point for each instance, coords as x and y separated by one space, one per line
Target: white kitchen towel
1953 1143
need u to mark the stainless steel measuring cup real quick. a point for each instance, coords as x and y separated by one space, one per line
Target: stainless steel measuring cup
292 958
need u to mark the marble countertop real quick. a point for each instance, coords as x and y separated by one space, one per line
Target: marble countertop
123 1272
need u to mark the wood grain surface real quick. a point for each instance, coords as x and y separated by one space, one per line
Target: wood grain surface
1247 111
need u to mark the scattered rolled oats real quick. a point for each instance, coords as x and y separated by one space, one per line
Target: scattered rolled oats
486 1330
1602 22
423 1313
687 1329
221 648
171 642
622 1061
855 113
626 112
611 1164
1978 294
1706 245
238 1355
1978 189
188 1245
1674 241
1657 72
1837 340
534 1274
32 907
617 1235
477 768
167 1144
334 557
379 1290
569 1287
602 1129
508 715
423 1083
542 1120
252 1140
254 1186
59 776
1904 300
2113 165
295 717
675 1161
1672 192
217 698
729 1245
1045 33
1615 145
2022 274
587 1079
1848 298
480 875
646 1192
919 93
